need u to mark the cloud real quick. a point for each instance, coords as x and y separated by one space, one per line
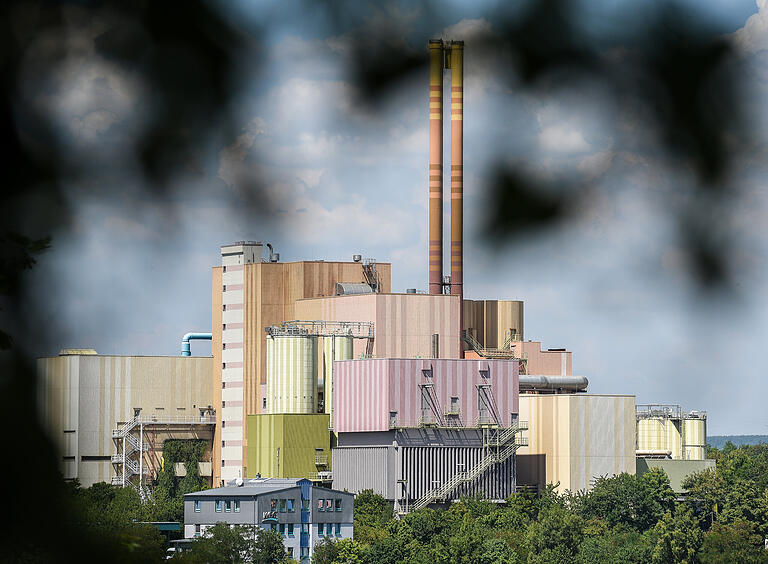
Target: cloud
753 37
562 139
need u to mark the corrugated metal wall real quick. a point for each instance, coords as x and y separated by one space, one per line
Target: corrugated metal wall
360 468
427 467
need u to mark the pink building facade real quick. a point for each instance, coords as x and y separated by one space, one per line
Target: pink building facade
390 393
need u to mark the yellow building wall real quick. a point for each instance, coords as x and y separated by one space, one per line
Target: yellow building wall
582 436
297 437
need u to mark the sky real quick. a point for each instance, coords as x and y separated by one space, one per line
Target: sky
131 275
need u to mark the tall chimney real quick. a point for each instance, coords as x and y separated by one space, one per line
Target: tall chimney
457 168
436 166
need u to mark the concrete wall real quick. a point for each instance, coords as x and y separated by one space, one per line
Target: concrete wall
297 437
545 362
676 470
371 394
403 323
582 436
82 398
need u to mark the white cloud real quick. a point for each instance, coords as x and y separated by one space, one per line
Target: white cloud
753 37
562 139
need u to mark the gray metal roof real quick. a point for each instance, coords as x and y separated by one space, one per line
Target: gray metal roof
256 486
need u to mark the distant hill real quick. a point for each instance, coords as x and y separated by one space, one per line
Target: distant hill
738 440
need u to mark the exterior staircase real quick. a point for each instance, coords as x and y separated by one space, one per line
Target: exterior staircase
506 443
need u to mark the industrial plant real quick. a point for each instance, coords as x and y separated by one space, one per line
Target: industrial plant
320 372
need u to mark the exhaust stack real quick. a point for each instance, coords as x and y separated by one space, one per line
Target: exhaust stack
456 62
436 166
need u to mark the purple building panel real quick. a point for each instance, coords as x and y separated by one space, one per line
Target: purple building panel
386 393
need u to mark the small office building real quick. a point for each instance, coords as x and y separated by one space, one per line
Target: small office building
302 513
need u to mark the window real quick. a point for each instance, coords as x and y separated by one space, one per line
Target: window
237 505
290 530
282 506
227 506
197 530
264 403
224 307
289 506
304 552
454 405
224 288
305 505
290 552
305 528
273 504
329 505
282 529
218 506
320 529
338 529
197 506
338 504
320 505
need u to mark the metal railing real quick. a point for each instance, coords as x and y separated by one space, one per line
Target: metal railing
321 460
319 328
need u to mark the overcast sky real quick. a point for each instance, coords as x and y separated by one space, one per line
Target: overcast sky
132 275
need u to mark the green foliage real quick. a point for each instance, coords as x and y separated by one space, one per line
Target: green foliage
344 551
679 538
635 501
372 513
223 544
737 542
169 489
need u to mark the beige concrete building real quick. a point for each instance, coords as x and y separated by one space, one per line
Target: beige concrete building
574 438
86 400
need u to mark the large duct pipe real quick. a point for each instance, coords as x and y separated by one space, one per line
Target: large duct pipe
553 383
185 351
436 166
457 168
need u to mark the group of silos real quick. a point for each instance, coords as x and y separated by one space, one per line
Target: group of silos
292 369
667 430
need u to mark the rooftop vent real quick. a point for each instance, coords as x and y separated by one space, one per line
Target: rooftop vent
357 258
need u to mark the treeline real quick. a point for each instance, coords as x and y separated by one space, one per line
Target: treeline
720 441
623 519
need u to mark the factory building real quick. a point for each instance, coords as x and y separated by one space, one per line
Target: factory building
109 415
666 431
252 292
422 431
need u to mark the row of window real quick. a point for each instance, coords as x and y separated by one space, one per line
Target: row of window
286 505
227 505
329 504
329 528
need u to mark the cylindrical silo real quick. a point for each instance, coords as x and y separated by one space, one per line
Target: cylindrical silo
651 435
695 433
291 374
338 347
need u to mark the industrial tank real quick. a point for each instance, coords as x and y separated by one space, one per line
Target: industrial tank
291 374
659 434
339 347
695 437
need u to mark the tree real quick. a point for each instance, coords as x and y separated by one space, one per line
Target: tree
268 547
222 544
344 551
555 536
372 513
618 546
735 542
635 501
679 538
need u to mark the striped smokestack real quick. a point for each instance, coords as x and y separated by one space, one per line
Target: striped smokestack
436 166
457 167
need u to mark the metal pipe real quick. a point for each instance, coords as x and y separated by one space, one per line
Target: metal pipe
435 242
185 351
569 383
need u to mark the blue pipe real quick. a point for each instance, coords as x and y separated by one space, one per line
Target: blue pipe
186 338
